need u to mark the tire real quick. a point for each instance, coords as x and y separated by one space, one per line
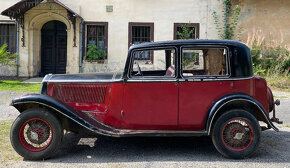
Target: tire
236 134
36 134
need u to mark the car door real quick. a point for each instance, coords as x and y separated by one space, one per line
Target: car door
205 73
151 95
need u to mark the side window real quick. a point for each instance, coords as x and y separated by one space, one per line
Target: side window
163 65
206 61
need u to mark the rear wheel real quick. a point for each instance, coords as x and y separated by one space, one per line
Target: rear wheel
236 134
36 134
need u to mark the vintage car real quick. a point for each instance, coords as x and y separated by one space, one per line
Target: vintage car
173 88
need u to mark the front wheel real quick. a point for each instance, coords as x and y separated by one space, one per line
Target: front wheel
236 134
36 134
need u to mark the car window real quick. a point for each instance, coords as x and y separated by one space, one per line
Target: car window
207 62
162 63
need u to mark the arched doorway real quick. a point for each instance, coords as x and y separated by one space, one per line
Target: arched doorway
53 48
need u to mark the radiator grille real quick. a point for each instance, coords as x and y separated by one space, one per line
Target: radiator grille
80 93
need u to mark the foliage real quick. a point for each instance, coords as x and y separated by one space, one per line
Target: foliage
5 56
279 82
18 86
94 53
230 19
186 32
269 57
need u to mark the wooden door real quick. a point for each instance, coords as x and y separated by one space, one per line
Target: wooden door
53 48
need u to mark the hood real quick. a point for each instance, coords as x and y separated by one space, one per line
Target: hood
84 78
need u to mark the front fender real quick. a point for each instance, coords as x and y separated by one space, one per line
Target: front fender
236 97
64 110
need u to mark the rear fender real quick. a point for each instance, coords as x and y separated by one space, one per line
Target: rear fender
242 99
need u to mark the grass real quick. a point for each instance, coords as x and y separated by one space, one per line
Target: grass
7 155
280 83
18 86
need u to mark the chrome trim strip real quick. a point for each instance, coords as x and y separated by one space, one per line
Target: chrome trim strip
136 132
86 81
261 110
214 79
150 80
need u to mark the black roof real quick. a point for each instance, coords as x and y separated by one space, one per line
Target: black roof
240 60
195 42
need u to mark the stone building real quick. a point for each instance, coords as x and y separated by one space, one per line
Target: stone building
52 36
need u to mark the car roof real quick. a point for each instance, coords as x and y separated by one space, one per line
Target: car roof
188 42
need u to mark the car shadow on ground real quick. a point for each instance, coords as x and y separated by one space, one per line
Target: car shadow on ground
79 148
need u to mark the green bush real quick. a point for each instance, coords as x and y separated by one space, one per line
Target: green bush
5 56
94 53
269 58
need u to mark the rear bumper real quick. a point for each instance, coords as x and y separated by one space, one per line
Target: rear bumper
274 118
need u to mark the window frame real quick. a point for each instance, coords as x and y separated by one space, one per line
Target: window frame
141 24
196 47
85 36
196 25
152 78
9 22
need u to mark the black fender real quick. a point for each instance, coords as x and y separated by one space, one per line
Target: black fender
231 98
74 115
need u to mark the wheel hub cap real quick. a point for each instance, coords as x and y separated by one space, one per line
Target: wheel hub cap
34 136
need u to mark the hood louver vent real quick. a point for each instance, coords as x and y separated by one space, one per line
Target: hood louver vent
80 93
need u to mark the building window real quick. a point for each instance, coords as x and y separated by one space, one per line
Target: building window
192 30
8 36
141 33
96 35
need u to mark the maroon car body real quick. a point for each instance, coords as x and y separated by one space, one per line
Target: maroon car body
181 96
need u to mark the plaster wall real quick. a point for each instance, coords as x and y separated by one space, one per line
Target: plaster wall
163 13
270 18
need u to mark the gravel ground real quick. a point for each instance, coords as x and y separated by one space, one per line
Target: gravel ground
86 151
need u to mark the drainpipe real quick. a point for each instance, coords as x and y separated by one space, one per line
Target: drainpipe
17 49
81 45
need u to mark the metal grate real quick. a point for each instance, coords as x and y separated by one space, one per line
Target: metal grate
80 93
8 36
141 34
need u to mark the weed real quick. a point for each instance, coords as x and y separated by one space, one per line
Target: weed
7 155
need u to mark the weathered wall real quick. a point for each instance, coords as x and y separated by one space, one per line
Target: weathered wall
271 17
6 70
164 13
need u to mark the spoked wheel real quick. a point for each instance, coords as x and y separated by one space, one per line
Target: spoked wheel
36 134
236 134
